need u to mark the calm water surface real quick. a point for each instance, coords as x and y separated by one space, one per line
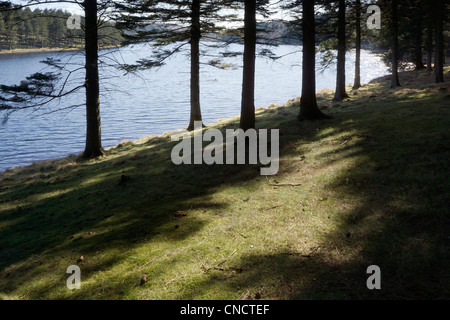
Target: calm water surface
154 102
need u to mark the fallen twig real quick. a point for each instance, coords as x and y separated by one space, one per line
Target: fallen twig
203 265
273 207
222 262
173 280
140 268
216 267
283 184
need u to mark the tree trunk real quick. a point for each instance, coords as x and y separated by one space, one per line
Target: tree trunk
248 79
429 47
439 40
418 57
340 75
357 82
308 103
429 61
395 82
196 114
93 133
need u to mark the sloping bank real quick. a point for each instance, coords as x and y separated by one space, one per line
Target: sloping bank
369 187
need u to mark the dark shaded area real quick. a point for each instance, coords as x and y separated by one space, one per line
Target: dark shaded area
409 239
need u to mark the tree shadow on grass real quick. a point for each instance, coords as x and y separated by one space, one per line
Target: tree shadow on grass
397 187
397 218
64 209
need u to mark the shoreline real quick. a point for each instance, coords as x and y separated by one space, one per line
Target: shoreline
177 130
37 50
150 136
42 50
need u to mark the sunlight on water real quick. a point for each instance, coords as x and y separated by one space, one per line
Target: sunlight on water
154 102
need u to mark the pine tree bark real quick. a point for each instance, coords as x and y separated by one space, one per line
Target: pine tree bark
357 82
248 80
93 132
439 40
308 102
340 93
430 47
196 114
395 82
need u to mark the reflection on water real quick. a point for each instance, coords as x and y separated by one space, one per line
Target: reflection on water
154 102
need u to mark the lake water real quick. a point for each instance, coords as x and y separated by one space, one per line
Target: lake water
154 102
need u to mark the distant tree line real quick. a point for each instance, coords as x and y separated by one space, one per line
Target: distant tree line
414 35
34 29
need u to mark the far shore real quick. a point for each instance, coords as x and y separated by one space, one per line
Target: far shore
37 50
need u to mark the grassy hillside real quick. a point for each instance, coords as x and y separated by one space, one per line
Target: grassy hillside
369 187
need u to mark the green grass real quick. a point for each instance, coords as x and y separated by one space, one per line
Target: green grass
370 186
